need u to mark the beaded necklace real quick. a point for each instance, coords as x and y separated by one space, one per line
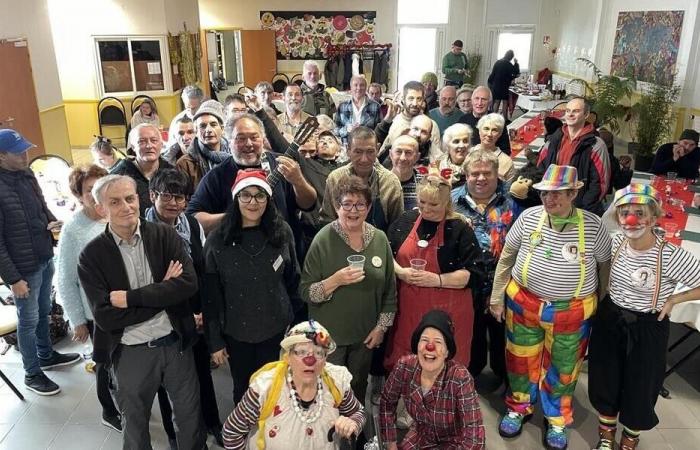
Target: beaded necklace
307 416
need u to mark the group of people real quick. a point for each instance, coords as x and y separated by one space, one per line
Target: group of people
389 249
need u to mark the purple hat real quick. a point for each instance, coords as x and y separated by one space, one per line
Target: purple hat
13 142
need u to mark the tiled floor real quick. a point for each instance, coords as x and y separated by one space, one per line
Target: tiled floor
71 420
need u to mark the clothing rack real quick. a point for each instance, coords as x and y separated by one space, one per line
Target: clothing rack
361 49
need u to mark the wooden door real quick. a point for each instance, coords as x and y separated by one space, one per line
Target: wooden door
259 56
18 106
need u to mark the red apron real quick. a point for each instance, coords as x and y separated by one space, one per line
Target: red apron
415 301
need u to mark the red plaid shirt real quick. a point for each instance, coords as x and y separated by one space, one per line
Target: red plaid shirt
446 417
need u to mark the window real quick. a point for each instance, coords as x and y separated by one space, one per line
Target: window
128 66
520 43
421 12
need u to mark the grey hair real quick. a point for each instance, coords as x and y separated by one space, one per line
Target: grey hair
493 119
311 62
263 85
359 77
479 155
134 134
454 129
231 123
102 184
483 88
192 91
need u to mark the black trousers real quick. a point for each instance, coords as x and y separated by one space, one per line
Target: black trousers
102 382
207 396
626 364
246 358
488 342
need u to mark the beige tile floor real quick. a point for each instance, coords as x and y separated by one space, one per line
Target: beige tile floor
71 420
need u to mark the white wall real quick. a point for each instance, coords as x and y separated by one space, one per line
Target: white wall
30 19
74 23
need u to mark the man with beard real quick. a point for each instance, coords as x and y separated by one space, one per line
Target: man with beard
481 97
246 134
291 119
316 99
404 154
447 113
147 142
413 99
208 149
185 134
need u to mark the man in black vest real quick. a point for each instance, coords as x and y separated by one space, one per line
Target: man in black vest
481 98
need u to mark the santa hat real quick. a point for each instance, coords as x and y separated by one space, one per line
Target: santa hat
251 177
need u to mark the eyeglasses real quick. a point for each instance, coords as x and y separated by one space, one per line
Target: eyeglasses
304 352
167 196
359 207
247 197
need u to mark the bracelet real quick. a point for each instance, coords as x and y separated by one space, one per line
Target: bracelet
440 278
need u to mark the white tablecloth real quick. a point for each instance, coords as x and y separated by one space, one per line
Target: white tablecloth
535 103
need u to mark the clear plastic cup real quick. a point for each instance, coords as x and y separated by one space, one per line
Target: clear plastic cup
356 261
418 264
671 229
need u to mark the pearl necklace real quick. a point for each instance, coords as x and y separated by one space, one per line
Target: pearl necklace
305 416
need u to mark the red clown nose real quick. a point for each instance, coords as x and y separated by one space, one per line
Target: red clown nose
430 347
309 360
631 220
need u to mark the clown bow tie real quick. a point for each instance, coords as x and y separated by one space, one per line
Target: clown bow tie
561 221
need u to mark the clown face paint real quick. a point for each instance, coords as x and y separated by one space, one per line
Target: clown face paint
634 220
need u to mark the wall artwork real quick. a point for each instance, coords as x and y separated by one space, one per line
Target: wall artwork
305 35
646 43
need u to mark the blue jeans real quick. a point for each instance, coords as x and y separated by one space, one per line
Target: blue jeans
33 319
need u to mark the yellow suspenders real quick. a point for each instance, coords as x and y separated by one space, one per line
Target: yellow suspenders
536 239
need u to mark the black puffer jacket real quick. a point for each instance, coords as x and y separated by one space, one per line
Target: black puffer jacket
25 243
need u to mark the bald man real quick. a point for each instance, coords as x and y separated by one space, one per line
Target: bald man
481 98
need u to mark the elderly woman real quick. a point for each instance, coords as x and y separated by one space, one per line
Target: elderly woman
555 258
438 392
169 192
486 203
146 113
434 254
300 402
627 354
456 142
80 229
356 302
490 127
251 282
464 99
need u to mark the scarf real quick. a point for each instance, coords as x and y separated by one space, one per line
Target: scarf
182 227
208 158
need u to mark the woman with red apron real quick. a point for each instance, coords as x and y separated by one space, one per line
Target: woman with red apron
439 239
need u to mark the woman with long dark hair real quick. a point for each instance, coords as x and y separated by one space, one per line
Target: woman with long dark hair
251 281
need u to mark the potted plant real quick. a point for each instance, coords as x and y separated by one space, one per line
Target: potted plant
653 119
610 96
473 63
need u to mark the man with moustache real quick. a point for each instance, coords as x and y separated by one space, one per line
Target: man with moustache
481 98
138 279
147 142
413 99
447 113
360 110
246 134
404 154
208 149
291 119
316 99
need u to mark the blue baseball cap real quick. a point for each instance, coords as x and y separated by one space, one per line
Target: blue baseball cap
13 142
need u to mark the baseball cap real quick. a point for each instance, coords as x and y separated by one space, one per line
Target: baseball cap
13 142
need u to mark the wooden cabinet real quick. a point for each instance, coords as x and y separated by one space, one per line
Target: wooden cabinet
259 56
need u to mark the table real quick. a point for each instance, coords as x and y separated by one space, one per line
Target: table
529 134
688 221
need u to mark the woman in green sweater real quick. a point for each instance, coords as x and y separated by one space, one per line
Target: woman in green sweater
357 305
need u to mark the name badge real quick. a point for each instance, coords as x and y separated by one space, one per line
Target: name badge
278 262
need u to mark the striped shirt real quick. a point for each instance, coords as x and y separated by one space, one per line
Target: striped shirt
633 273
550 276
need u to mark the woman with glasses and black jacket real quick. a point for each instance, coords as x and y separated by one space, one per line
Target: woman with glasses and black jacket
251 281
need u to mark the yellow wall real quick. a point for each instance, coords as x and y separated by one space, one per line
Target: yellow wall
54 130
81 117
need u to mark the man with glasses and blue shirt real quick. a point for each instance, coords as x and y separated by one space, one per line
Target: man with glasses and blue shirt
213 195
26 261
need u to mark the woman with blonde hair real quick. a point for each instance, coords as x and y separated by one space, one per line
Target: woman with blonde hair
432 275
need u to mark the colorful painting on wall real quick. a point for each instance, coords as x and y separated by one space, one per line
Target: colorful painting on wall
305 35
646 45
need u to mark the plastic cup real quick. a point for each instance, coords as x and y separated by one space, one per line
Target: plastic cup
671 229
356 261
418 264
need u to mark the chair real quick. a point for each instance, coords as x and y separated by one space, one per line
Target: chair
298 79
8 325
111 113
244 90
280 82
136 102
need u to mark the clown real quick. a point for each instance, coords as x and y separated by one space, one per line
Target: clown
627 354
298 402
554 259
